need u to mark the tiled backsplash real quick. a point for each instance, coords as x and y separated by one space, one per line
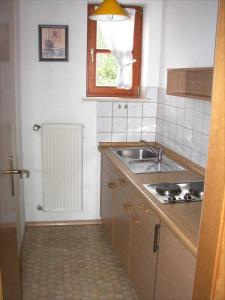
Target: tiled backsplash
126 122
183 125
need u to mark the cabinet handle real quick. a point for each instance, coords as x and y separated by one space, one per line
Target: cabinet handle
111 185
127 207
145 209
122 182
136 220
156 238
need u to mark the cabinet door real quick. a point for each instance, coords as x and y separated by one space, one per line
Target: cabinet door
143 259
175 271
121 241
107 193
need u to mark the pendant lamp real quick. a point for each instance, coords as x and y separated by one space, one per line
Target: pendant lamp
109 10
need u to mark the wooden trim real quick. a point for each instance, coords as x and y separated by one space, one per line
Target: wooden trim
1 292
92 90
210 277
63 223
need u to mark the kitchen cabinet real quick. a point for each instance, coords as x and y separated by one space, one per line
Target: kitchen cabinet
144 243
122 228
157 263
190 82
175 268
107 194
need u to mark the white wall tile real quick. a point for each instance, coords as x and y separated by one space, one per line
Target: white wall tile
195 157
134 109
120 109
203 160
133 137
181 102
104 137
189 118
198 121
104 109
187 140
206 124
149 125
174 101
189 104
134 125
205 141
160 111
150 137
199 105
149 110
197 141
152 93
119 137
207 107
119 125
179 134
171 131
180 116
184 125
104 125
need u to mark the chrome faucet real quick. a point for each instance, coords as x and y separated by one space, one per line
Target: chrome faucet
155 149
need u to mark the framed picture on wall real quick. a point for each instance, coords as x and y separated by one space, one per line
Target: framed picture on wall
53 42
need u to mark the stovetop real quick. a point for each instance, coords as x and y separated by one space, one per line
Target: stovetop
181 192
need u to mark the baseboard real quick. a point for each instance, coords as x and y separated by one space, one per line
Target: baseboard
63 223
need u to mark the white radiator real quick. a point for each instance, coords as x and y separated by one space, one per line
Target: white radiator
62 166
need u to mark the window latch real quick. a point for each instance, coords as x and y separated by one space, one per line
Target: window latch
92 55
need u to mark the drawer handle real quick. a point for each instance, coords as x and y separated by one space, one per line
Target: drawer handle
111 185
123 182
127 207
156 238
136 220
144 208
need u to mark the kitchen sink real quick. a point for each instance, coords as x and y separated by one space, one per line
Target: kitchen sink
142 160
141 154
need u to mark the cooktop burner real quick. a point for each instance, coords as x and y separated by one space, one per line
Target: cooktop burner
168 188
196 188
177 192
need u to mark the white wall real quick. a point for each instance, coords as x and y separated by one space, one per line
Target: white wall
53 92
188 35
188 40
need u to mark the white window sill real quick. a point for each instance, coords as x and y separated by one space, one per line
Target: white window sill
116 99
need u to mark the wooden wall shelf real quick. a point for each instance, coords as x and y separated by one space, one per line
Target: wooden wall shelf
190 82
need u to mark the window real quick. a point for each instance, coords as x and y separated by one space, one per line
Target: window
103 68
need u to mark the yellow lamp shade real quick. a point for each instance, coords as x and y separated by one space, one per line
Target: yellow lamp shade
109 10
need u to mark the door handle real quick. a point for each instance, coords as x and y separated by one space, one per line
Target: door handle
13 172
22 173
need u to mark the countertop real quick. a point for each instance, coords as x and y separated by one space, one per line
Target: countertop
183 219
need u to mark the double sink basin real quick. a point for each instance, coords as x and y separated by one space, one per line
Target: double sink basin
142 160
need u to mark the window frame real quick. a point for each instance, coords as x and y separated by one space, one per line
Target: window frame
91 89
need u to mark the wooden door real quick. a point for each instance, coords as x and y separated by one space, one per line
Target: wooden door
210 267
175 269
9 201
143 257
107 195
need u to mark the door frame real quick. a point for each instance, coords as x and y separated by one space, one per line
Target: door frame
210 275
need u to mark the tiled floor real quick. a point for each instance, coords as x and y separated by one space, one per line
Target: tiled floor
72 262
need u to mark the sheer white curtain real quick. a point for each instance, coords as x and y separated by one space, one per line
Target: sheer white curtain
119 36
